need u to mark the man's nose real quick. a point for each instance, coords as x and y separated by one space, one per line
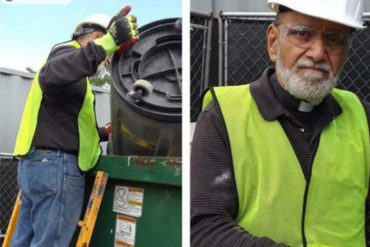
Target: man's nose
317 51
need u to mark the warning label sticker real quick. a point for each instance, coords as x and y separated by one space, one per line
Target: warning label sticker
128 200
125 231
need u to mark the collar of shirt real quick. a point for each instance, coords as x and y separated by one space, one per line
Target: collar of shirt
273 102
290 102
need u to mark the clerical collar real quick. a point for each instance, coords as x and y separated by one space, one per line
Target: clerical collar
305 106
288 100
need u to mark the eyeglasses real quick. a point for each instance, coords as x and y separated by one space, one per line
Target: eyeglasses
302 36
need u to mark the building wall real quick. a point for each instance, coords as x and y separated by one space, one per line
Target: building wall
208 6
14 87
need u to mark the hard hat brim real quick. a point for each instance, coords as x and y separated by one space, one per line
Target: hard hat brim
325 16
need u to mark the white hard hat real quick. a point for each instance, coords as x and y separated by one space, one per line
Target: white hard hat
97 19
92 22
345 12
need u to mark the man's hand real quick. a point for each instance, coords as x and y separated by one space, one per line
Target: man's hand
122 33
123 12
107 60
108 130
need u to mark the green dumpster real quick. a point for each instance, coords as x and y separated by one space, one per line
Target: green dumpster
141 205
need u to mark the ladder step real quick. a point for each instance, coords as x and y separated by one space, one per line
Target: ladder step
13 221
92 210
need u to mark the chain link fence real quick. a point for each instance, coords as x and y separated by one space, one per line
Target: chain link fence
201 26
8 190
245 54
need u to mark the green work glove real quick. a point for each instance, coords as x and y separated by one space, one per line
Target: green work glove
122 34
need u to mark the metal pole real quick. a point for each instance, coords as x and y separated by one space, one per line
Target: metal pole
202 74
208 54
220 49
248 14
366 16
6 155
263 14
226 65
201 14
197 26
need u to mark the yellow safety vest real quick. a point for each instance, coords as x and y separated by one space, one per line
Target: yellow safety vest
275 200
89 148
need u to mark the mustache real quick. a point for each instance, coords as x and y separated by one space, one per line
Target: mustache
311 64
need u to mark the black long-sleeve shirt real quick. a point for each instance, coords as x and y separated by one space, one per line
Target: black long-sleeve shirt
214 206
63 83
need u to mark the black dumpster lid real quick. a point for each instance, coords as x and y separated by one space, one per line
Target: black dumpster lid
155 58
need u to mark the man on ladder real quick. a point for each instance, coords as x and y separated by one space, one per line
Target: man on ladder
58 139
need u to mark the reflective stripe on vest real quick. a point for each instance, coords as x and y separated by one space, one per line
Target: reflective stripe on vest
270 182
89 148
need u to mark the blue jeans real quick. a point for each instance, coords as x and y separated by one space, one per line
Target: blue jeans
52 196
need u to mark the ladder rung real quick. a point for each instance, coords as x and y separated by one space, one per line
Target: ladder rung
13 221
96 196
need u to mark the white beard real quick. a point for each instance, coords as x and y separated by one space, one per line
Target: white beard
312 88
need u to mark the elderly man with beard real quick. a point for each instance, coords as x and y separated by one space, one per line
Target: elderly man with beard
284 161
58 139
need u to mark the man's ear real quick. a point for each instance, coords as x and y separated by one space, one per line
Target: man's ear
272 41
96 35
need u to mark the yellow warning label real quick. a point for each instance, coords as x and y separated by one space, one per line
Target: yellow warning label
128 200
125 231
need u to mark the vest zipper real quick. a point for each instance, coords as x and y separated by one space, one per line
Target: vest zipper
304 209
304 240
